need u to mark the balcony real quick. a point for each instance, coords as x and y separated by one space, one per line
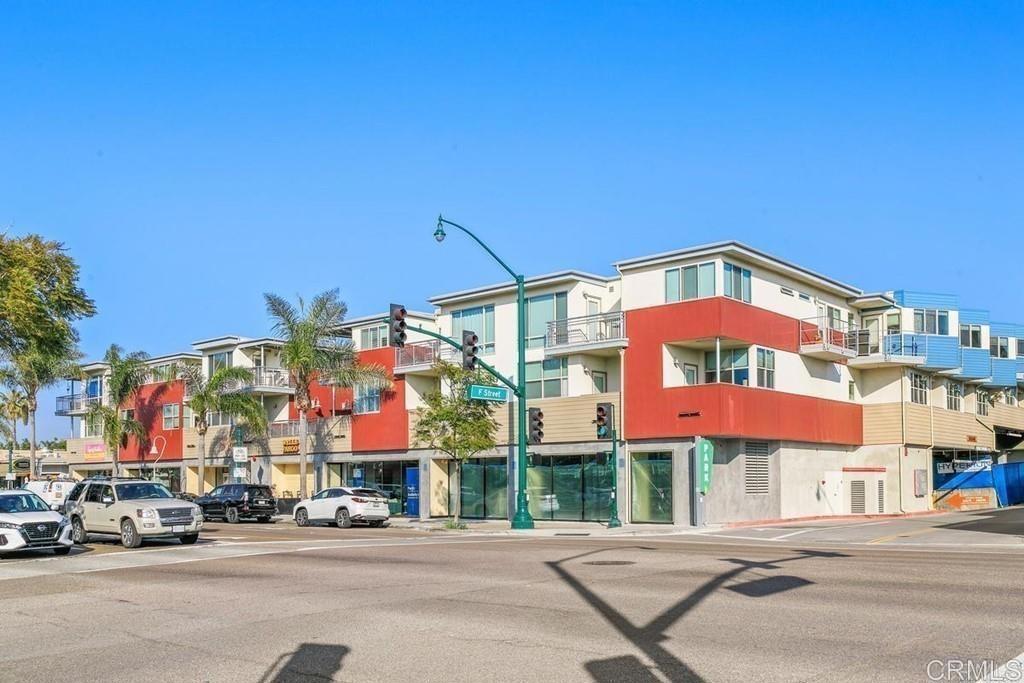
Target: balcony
76 404
601 334
827 339
419 358
891 351
266 381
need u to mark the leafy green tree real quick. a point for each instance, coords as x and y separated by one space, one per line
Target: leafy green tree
33 369
214 394
449 422
314 349
127 374
39 296
13 407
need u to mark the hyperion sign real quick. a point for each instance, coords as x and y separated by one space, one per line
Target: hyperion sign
705 459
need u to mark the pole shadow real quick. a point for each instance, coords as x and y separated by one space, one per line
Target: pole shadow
309 662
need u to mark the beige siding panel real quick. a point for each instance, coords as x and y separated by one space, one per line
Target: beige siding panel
882 423
960 430
919 424
1006 416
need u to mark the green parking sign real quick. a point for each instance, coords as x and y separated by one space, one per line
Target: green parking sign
705 460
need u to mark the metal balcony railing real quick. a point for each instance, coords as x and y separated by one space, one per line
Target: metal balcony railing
286 428
76 403
898 344
265 378
587 329
828 332
422 353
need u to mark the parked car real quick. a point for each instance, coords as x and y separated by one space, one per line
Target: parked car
235 502
52 491
134 509
343 506
28 523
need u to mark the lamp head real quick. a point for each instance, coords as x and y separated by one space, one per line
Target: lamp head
152 450
439 234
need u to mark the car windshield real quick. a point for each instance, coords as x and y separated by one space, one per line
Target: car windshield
142 491
368 492
22 502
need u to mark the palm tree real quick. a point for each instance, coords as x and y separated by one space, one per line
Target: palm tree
214 395
126 376
314 348
13 407
33 370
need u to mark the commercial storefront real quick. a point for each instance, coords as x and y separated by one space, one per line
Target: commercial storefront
398 479
570 487
651 487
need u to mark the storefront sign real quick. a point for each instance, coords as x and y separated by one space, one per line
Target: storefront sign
240 453
705 459
290 446
95 451
483 392
22 465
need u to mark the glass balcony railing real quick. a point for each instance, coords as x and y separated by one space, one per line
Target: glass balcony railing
76 403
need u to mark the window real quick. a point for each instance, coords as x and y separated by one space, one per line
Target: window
219 360
1011 397
786 290
160 373
851 390
172 416
970 336
541 310
893 324
94 387
1020 347
737 282
690 373
97 492
735 367
982 402
954 396
918 388
600 381
373 337
804 296
365 399
480 320
931 321
128 414
755 468
999 347
547 378
218 419
690 282
766 368
835 318
93 425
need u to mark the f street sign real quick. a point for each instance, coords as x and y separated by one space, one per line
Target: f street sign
483 392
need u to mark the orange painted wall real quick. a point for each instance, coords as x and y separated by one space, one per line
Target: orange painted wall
387 430
652 410
149 411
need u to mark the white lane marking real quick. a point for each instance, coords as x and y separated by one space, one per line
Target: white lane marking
1013 670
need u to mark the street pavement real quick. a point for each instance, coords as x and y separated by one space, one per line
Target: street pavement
902 600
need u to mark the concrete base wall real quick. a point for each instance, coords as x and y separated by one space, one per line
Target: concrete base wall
727 501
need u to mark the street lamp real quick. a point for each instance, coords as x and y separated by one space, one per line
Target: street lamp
153 451
522 518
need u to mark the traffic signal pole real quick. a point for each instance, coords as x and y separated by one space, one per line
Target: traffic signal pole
613 506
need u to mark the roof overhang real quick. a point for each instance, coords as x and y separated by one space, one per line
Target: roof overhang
530 282
265 341
217 342
873 300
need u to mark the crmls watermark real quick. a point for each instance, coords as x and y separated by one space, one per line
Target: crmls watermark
970 670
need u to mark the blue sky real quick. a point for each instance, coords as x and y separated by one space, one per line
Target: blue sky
195 155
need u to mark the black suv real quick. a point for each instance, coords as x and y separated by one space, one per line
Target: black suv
234 502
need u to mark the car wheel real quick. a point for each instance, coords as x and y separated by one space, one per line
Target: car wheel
301 517
62 551
377 523
78 532
342 519
263 520
231 515
189 539
130 535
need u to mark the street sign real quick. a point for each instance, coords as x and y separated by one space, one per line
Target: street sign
705 459
483 392
240 472
240 454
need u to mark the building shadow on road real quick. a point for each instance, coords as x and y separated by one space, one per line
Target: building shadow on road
1008 521
308 662
649 638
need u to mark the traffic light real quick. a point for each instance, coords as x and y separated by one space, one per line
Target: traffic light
396 325
469 350
604 420
536 433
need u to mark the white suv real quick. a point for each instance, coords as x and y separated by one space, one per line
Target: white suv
28 523
134 509
343 506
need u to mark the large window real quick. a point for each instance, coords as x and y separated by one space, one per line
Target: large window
737 282
94 387
547 378
919 388
160 373
735 366
365 399
999 347
893 324
479 319
970 336
541 310
219 360
954 396
373 337
981 402
172 416
93 425
651 487
931 321
218 419
766 368
690 282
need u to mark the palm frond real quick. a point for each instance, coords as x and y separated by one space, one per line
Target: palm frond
368 375
282 312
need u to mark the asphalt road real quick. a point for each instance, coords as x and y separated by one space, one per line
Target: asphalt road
277 603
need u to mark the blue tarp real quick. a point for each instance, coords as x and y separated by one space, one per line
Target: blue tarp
1009 483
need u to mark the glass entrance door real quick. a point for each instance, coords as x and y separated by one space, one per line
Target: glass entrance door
570 487
651 487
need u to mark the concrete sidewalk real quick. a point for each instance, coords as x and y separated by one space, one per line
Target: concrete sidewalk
542 528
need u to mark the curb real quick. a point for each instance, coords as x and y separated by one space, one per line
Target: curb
831 518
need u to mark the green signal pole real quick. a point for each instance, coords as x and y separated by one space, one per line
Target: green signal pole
613 512
522 518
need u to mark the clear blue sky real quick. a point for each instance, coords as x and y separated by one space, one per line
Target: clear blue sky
195 155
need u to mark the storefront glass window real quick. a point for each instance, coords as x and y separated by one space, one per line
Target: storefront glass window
652 487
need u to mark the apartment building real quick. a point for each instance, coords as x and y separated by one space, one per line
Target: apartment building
820 399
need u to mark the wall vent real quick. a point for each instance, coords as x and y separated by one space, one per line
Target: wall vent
857 504
755 468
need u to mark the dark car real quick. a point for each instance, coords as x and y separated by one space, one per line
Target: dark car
234 502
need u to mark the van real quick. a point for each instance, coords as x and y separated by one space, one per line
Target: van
52 491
